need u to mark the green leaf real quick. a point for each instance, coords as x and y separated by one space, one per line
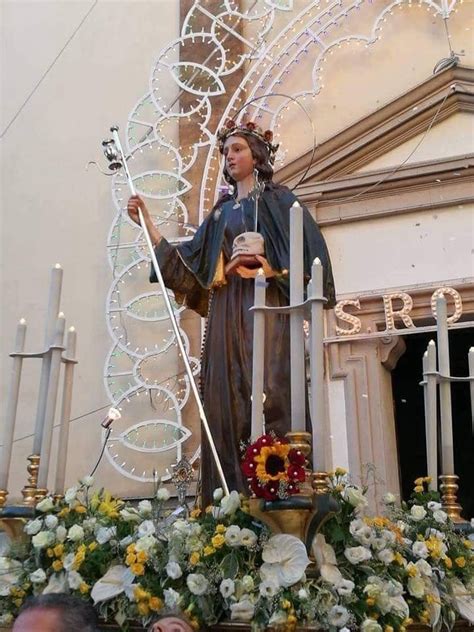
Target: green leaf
230 566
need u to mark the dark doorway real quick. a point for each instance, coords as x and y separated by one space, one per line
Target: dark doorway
409 414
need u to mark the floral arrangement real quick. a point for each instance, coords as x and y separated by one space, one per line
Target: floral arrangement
273 468
371 573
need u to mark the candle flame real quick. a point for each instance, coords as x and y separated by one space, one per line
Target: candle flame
22 321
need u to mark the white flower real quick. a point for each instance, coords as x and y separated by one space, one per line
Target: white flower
130 515
370 625
61 533
389 498
386 556
417 512
46 504
57 584
104 534
357 554
197 583
227 588
42 539
269 587
247 537
162 494
354 496
247 583
116 580
434 506
87 481
68 561
75 533
338 615
89 524
230 503
326 560
6 619
145 543
33 527
278 618
420 549
345 587
173 570
303 594
416 586
144 508
51 521
218 494
124 542
243 610
378 542
361 532
146 528
171 598
232 535
70 495
424 568
74 580
440 516
285 559
10 571
38 577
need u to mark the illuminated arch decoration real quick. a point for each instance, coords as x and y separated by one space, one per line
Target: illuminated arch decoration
274 39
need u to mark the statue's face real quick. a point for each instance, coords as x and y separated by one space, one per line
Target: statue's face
171 624
239 161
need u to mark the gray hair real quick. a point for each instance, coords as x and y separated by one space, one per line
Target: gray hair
76 615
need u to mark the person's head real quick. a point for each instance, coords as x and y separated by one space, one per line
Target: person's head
245 148
56 612
170 623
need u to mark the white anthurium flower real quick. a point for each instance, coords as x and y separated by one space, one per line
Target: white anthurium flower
173 570
10 572
420 549
232 535
146 528
197 583
42 539
357 554
338 616
75 533
463 599
227 588
172 598
57 584
354 496
242 610
51 521
424 568
68 561
163 494
116 580
33 527
326 560
248 537
230 503
45 505
434 506
38 576
104 534
218 494
285 559
124 542
370 625
417 512
269 587
74 579
434 607
70 494
399 607
144 508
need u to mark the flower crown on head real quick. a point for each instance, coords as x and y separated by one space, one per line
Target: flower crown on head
249 129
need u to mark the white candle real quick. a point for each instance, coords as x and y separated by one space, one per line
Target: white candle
297 356
56 352
471 383
65 411
447 448
12 405
51 316
258 357
318 409
429 369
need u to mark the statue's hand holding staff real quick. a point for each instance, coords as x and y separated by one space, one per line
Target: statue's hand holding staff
134 203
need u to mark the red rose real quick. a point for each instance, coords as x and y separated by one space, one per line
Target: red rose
296 473
264 440
296 457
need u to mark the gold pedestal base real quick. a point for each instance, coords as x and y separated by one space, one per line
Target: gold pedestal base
449 489
29 490
3 497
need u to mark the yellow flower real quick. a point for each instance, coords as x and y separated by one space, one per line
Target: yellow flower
218 541
137 569
110 506
430 599
194 558
427 479
64 512
408 621
448 562
155 604
221 528
50 552
130 559
460 561
194 623
418 489
143 608
209 509
140 594
78 559
419 480
277 456
370 601
424 616
285 604
292 619
388 628
209 550
340 471
130 548
18 602
142 556
434 546
398 558
412 570
84 588
80 509
57 565
92 546
195 513
58 550
468 544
